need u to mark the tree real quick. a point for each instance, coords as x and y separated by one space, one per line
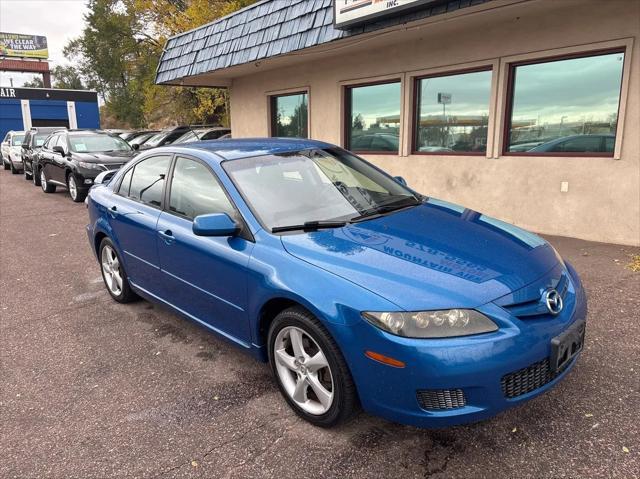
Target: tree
119 50
67 76
35 82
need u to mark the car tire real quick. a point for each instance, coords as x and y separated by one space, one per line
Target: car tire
5 165
14 170
329 375
110 259
77 194
27 174
45 185
35 177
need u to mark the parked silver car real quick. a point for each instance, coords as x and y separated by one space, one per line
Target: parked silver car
11 150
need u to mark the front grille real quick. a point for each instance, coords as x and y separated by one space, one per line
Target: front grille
533 306
527 379
439 399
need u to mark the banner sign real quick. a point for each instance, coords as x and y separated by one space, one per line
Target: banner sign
23 46
347 13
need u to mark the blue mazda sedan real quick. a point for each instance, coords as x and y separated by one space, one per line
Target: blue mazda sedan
357 290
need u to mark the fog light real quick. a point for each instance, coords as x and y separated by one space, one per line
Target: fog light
88 182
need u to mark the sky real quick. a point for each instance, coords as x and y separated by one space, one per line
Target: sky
58 20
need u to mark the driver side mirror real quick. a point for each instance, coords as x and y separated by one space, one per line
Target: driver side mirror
400 180
59 149
25 146
135 146
215 224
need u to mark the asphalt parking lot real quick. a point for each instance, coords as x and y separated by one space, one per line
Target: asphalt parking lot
91 388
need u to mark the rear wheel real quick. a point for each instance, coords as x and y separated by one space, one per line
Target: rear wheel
311 373
14 171
113 274
5 165
27 174
44 183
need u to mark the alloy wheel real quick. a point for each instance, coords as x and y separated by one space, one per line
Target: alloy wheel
43 180
111 270
303 370
73 189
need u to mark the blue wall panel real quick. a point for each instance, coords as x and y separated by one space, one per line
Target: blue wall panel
87 114
10 116
48 110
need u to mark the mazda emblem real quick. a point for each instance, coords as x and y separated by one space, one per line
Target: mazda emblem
553 301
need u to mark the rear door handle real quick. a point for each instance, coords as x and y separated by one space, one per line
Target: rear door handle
167 236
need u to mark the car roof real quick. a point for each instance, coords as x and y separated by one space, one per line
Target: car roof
235 148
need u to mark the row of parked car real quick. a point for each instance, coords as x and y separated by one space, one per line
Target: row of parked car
52 156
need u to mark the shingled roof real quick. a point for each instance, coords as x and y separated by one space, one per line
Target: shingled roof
267 29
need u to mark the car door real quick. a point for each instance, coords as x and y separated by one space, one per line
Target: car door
133 213
46 156
205 276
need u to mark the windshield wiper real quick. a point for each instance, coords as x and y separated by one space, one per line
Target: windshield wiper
309 226
382 210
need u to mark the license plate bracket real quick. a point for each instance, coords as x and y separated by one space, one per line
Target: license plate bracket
566 346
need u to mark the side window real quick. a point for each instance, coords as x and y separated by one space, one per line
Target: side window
195 191
148 178
52 142
126 183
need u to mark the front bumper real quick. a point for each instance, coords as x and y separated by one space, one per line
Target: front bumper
466 373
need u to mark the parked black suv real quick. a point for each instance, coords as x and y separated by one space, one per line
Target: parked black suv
74 158
33 141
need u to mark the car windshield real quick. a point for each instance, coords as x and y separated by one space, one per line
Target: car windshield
315 186
17 140
97 143
192 135
139 140
155 139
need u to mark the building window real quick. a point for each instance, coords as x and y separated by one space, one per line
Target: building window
373 118
289 115
565 107
452 113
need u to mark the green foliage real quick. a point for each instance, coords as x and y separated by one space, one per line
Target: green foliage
67 76
118 53
36 82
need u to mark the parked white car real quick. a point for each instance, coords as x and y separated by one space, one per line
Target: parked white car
11 150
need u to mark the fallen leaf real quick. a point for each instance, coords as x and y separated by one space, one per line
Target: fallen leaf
625 449
588 415
514 429
194 463
215 398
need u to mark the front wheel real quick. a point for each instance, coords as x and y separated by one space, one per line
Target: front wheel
27 174
77 195
113 274
35 177
311 373
44 183
5 165
14 170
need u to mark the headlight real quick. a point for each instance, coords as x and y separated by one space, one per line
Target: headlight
89 166
432 324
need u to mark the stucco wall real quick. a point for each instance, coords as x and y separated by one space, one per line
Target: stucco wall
603 201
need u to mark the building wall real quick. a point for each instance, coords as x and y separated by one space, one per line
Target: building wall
603 200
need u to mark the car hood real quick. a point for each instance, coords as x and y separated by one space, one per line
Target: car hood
434 256
105 157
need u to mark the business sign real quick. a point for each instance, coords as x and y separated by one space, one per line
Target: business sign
23 46
444 98
347 13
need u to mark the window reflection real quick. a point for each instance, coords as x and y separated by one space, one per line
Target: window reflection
566 106
289 115
453 113
374 120
147 180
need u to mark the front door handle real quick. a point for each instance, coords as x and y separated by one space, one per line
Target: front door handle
167 236
113 211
